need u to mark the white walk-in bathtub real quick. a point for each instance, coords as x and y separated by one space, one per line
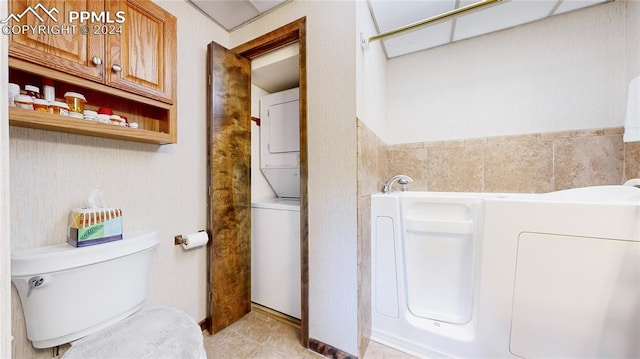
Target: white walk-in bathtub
479 275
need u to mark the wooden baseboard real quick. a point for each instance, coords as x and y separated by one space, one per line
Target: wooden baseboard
203 324
328 350
294 322
281 317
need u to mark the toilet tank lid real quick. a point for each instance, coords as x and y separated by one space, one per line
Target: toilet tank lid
64 256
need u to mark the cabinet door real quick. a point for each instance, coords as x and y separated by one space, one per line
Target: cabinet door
142 58
61 46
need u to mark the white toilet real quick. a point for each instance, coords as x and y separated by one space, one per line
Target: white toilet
92 298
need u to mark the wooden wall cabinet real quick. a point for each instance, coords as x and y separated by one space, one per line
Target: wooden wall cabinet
66 52
142 58
126 65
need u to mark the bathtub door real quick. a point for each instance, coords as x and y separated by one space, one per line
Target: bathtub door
439 236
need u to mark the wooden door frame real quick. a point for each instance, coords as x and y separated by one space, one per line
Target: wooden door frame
287 34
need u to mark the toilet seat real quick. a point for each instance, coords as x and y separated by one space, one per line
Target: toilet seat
156 332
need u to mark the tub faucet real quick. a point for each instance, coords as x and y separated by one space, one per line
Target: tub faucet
633 182
403 180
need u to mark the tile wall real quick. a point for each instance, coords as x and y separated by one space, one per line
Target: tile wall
533 163
372 168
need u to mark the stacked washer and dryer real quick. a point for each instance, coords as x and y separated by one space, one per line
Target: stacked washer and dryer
275 223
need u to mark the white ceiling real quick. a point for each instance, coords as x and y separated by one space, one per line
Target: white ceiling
233 13
274 71
390 14
279 71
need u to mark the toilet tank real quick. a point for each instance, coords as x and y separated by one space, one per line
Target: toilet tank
68 293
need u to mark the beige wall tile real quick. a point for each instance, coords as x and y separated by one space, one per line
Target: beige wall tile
588 161
587 133
455 169
436 144
414 145
517 138
518 167
475 141
554 135
364 273
364 229
410 162
614 131
631 160
372 168
523 163
372 161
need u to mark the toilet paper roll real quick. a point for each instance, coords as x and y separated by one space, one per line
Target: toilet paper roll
195 240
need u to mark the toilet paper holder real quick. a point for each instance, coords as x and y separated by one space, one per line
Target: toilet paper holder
180 239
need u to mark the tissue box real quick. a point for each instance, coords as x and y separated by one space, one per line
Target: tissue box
89 226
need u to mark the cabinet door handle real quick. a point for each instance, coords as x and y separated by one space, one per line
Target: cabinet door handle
96 61
116 68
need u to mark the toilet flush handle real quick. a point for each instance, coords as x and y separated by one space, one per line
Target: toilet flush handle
34 282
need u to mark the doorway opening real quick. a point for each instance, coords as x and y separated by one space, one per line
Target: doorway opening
275 184
229 158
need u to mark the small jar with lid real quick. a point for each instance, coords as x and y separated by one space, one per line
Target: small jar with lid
103 118
59 108
90 115
117 120
24 102
76 102
41 105
32 91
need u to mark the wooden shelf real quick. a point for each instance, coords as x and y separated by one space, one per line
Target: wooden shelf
157 120
45 121
144 89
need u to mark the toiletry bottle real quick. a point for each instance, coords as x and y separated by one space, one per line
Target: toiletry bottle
48 90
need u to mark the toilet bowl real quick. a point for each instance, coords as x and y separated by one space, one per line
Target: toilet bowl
93 296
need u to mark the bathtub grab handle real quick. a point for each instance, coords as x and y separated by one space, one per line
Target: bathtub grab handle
439 226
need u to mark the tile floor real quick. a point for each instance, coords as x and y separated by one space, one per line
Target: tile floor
258 336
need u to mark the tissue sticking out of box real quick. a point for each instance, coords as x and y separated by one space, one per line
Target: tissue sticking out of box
95 224
96 199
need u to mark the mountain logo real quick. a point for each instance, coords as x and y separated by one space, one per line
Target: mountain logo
34 11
